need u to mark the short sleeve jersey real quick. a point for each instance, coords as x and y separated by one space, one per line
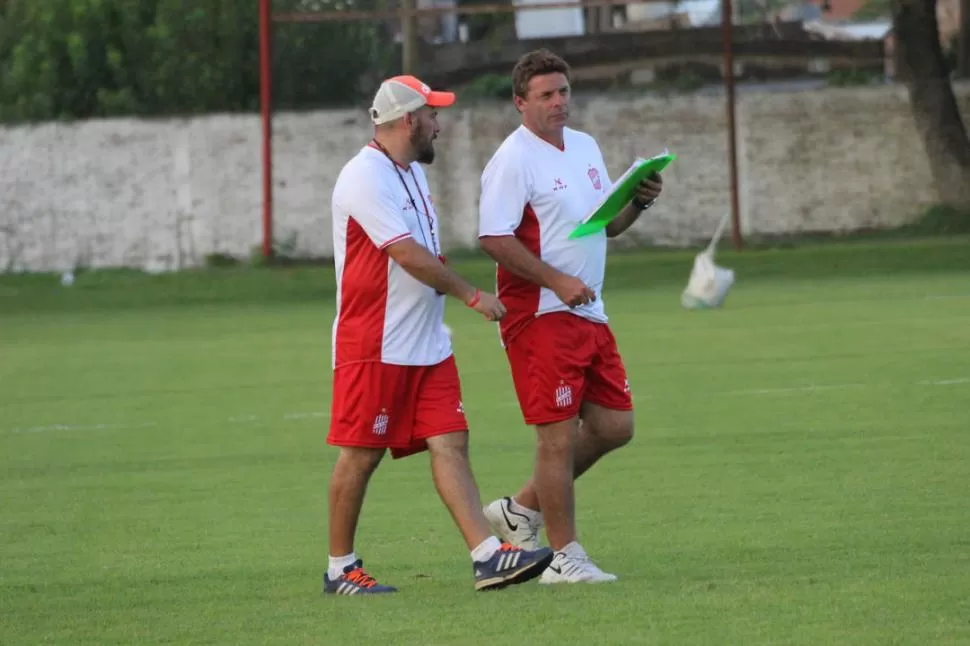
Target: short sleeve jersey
383 313
538 193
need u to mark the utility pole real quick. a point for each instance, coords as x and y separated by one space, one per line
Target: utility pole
409 38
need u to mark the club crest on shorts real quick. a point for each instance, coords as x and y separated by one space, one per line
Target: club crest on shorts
381 422
594 177
564 395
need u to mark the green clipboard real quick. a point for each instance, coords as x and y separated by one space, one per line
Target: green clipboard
621 194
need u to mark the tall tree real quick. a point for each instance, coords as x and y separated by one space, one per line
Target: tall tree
78 59
924 70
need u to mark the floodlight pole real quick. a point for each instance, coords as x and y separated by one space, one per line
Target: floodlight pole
266 113
727 22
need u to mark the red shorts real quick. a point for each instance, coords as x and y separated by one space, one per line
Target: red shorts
560 360
384 406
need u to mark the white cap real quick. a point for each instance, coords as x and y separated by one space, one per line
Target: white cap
402 95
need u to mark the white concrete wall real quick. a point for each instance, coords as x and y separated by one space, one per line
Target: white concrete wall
163 194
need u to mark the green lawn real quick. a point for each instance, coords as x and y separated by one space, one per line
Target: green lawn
800 473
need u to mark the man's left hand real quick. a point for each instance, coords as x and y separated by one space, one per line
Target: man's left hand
649 189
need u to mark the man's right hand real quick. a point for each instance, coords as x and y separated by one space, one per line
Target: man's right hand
489 306
572 291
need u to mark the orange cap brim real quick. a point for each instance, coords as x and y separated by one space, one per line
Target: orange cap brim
440 99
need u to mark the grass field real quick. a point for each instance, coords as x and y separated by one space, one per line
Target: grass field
800 475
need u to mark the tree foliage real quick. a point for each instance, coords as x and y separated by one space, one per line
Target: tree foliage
756 11
62 59
874 10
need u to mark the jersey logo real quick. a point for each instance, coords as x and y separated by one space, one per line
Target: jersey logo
560 186
594 177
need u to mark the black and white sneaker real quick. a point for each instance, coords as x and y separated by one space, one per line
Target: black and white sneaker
574 568
512 527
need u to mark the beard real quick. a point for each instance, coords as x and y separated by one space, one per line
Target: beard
423 147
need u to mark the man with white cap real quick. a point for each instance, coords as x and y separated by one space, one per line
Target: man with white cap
395 383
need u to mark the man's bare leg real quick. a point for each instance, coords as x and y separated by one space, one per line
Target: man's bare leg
562 452
455 483
602 430
553 478
494 566
348 484
555 490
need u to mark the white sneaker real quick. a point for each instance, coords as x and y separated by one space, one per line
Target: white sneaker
574 569
512 527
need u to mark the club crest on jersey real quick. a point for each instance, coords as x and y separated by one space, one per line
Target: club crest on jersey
594 177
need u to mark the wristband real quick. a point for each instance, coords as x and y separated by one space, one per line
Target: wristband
474 299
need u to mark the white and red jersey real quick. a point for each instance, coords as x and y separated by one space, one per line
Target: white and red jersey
538 193
383 313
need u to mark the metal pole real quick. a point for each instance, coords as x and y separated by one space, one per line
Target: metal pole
266 112
727 15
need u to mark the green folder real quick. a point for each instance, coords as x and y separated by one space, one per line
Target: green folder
621 194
